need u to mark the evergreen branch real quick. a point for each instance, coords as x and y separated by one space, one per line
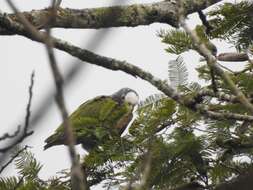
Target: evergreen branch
226 115
27 165
12 158
220 95
212 62
164 125
8 183
178 41
19 183
178 74
152 99
233 22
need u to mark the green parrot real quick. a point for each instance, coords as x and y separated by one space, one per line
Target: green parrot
98 119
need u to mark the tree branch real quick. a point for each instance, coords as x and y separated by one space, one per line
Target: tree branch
25 132
8 136
106 17
233 56
116 65
212 62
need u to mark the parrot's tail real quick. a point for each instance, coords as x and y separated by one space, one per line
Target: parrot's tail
53 140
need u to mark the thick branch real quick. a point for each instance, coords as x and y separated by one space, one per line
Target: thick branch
233 56
117 16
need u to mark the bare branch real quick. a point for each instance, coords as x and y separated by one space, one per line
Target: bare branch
8 136
25 132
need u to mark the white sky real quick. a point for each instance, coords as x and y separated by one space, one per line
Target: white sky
20 56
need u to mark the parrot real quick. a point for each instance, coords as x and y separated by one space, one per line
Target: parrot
98 119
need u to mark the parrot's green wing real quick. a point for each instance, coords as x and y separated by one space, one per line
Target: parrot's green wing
94 121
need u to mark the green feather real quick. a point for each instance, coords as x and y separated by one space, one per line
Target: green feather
95 121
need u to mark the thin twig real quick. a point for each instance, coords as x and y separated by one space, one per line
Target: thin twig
164 125
226 68
25 132
8 136
28 107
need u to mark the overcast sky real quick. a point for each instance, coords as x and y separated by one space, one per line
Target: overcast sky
20 56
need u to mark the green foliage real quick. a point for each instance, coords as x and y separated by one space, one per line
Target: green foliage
152 99
28 169
233 22
178 74
27 165
8 183
152 116
210 157
179 41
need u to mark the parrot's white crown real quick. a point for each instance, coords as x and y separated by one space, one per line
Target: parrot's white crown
132 98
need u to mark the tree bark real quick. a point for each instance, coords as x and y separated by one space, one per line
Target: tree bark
116 16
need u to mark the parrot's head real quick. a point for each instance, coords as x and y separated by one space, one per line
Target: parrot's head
126 95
